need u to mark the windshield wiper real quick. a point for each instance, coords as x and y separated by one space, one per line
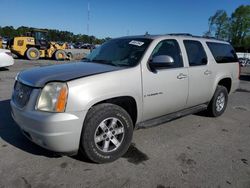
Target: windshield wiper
101 61
85 59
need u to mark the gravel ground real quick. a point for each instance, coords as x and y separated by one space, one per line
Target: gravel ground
193 151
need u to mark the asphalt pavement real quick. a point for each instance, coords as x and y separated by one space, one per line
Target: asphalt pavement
193 151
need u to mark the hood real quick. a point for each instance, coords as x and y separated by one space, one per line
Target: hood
38 77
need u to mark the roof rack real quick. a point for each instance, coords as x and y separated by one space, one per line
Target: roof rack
180 34
208 37
190 35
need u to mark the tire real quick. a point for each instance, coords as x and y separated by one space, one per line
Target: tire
219 101
94 138
70 56
60 55
32 53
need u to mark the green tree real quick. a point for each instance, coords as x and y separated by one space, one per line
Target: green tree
235 29
8 31
218 25
240 26
21 31
53 35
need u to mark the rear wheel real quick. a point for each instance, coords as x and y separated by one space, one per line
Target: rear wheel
60 55
218 103
107 133
32 53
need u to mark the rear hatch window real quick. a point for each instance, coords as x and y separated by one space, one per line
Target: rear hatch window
223 53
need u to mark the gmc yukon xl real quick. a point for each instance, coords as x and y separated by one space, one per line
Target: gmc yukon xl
92 107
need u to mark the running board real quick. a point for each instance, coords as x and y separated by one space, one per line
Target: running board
170 117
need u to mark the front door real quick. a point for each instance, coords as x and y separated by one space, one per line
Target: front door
165 90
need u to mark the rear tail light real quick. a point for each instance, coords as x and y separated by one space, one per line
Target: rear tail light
8 53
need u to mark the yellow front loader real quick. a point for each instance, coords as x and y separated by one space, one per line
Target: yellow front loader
1 42
36 45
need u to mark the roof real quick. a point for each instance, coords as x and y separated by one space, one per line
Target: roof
38 30
177 35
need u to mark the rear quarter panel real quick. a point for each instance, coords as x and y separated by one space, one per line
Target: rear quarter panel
227 70
223 70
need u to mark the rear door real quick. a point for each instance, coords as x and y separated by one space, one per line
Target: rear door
200 73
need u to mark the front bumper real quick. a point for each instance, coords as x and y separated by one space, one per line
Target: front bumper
59 132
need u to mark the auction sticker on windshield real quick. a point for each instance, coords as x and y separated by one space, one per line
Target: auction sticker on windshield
136 43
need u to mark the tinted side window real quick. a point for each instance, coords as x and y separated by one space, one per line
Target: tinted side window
195 52
170 48
223 53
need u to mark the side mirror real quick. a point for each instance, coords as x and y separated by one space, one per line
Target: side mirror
161 61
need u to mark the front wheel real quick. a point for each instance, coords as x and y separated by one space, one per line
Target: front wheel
60 55
218 103
32 53
107 133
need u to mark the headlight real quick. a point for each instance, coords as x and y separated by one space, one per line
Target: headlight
53 97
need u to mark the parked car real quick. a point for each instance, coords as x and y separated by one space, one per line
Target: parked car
244 62
244 55
93 107
5 42
78 45
6 58
88 46
70 45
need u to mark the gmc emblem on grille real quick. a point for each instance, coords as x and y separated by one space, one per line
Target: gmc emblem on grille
20 94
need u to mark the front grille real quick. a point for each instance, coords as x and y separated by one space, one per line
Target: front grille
21 94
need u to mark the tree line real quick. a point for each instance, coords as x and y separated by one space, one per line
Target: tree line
53 35
234 28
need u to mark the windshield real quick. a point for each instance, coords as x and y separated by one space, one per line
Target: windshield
120 52
40 35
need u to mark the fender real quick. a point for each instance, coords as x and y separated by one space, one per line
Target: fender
88 91
217 80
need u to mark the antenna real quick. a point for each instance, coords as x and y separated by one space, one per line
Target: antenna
88 18
128 32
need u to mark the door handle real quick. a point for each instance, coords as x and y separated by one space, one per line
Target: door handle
207 72
181 76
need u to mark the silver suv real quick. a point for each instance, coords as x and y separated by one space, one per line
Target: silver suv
92 107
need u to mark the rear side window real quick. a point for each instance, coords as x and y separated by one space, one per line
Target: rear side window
223 53
195 52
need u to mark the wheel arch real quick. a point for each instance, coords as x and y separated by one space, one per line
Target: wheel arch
128 103
227 83
33 46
